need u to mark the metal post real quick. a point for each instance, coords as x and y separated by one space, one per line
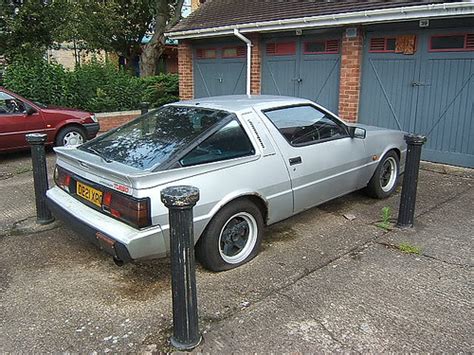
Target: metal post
180 201
40 176
406 214
144 106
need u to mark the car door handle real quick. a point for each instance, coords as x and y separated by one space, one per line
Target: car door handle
295 160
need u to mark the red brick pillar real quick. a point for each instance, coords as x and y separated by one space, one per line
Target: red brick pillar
255 74
349 86
185 70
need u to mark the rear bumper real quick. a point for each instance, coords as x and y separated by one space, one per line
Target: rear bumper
117 250
91 129
114 237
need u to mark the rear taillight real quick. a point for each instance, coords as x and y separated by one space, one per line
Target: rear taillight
62 178
133 211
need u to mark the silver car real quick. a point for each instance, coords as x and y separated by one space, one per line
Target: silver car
256 160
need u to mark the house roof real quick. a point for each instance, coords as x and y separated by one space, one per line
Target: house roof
217 13
222 14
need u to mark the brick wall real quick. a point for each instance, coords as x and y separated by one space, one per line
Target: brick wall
185 70
109 120
349 87
255 74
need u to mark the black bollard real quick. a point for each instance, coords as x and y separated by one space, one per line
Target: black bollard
40 176
144 107
180 201
406 214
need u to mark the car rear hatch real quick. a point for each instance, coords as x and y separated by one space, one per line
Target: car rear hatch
102 185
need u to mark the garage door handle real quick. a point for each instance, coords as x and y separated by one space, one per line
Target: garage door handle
295 160
298 80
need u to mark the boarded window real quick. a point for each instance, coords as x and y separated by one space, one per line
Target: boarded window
452 43
405 44
281 48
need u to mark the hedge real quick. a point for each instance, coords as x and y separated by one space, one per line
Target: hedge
94 86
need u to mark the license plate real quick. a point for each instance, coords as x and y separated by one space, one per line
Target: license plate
89 193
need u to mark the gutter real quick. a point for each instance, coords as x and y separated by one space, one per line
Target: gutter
249 55
443 10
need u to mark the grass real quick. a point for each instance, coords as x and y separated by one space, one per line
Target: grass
409 249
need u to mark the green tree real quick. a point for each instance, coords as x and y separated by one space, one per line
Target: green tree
111 25
29 27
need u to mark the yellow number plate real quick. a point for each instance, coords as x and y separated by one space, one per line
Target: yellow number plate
89 193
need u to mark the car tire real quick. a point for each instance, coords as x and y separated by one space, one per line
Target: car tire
70 136
232 237
386 177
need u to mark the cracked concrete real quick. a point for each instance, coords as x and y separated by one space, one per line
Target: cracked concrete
321 283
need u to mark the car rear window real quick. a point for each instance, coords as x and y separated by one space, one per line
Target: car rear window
154 139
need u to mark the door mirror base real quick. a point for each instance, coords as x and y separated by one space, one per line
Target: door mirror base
29 110
357 132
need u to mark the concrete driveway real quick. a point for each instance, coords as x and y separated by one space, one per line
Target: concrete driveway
324 281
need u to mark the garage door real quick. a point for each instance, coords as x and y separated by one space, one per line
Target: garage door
423 82
219 70
303 67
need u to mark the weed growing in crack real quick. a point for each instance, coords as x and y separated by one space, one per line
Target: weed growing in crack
409 249
386 215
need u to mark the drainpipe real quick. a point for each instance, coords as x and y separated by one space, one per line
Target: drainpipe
249 55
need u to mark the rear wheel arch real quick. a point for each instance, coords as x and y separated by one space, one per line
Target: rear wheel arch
208 244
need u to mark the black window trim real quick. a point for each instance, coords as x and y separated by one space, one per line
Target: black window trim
174 160
299 145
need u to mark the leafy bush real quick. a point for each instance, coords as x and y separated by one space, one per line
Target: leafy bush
94 86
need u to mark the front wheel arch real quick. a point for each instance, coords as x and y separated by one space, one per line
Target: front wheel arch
67 127
374 187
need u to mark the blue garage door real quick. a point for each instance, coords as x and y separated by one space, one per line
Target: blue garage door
423 82
219 70
305 67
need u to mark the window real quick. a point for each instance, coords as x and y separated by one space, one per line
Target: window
452 43
10 105
382 44
302 125
206 53
234 52
281 48
321 47
156 138
227 143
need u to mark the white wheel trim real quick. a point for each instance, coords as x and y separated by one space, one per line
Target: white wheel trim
72 138
251 241
393 174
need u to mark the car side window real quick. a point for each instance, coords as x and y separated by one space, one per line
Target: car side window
229 142
303 125
9 105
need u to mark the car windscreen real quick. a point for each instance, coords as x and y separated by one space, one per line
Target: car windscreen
157 137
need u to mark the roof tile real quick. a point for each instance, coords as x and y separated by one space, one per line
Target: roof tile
216 13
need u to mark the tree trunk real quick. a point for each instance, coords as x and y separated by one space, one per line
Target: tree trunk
153 49
165 17
151 53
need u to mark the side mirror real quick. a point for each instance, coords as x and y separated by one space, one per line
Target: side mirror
29 110
357 132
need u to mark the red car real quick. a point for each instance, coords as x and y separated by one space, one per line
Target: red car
64 126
